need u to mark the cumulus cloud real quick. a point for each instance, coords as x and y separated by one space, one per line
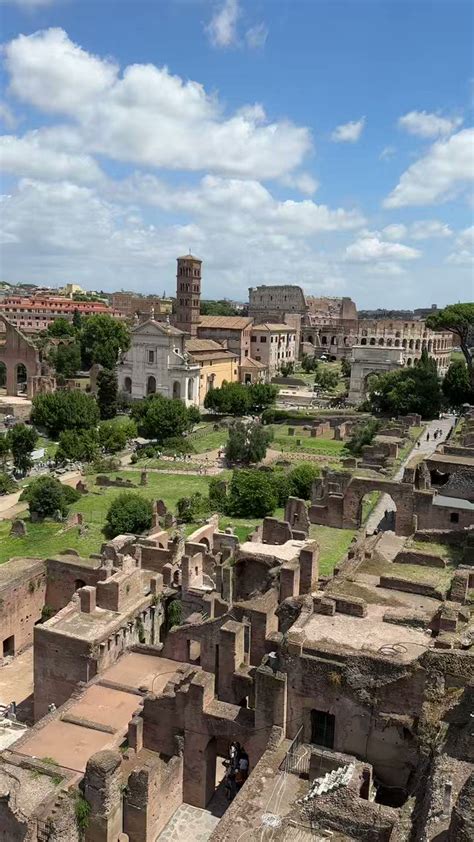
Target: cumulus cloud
395 232
424 124
387 153
428 229
222 28
443 172
303 181
7 116
147 115
466 237
110 239
370 248
41 154
349 132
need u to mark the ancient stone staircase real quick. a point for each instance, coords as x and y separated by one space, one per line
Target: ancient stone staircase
329 782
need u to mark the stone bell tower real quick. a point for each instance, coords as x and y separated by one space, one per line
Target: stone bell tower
188 293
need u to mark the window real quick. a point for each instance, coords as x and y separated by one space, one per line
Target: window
246 353
258 359
263 339
454 517
151 356
253 339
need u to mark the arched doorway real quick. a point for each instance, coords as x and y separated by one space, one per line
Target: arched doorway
190 388
21 379
176 389
3 375
151 385
127 385
379 509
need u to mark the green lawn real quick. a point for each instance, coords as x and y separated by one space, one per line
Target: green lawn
437 577
49 538
319 446
205 438
446 551
369 503
333 544
165 465
49 446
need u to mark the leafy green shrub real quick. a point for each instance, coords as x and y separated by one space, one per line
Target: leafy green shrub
77 446
62 410
251 494
363 435
301 479
128 513
173 614
7 484
46 496
190 508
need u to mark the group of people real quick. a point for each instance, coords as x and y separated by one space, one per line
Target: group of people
237 770
437 433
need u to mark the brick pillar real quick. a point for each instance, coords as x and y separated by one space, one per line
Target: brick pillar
270 698
231 656
103 791
289 581
309 569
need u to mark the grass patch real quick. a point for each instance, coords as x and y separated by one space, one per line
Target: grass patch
164 465
333 545
50 538
49 446
369 503
437 577
319 446
452 554
243 527
205 438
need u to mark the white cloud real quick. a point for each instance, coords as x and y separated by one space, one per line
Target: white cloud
371 248
110 240
439 175
460 258
256 36
464 255
246 206
387 153
222 28
348 132
394 232
7 116
427 229
303 181
38 154
148 116
466 237
424 124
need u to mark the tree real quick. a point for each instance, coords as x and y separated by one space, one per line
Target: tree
77 320
102 338
194 415
301 480
287 369
190 508
407 390
229 399
22 440
4 449
128 513
114 437
60 328
77 446
325 377
107 391
247 443
309 364
251 494
456 386
160 418
364 434
65 410
66 359
218 308
459 319
7 484
345 367
261 395
46 496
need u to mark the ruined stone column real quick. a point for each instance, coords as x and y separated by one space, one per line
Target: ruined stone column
103 791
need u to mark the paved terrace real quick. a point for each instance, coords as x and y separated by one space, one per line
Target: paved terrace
107 704
367 634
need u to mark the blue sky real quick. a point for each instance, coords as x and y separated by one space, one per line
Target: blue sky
327 143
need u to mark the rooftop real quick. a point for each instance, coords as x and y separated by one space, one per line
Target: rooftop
229 322
71 744
364 634
273 327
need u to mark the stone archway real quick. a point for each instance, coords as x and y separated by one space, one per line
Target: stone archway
127 385
401 494
176 389
3 375
151 385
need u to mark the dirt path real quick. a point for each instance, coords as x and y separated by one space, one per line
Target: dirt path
10 505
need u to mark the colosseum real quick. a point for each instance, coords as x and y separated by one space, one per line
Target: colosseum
411 336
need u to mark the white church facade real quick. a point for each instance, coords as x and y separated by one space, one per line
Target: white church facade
157 363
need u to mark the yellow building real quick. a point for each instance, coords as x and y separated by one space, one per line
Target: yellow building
216 363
